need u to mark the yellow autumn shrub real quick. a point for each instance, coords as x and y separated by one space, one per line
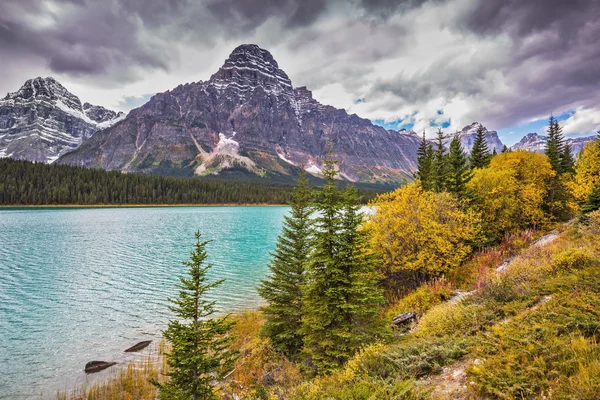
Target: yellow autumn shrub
510 193
587 171
426 232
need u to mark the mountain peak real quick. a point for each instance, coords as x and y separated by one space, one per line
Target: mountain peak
248 68
253 52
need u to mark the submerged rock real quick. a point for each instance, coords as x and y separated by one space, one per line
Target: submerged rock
97 366
139 346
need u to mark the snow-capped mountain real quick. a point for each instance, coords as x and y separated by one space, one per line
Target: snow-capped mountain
467 138
537 143
247 116
43 120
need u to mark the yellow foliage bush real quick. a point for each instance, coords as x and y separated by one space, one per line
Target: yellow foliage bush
587 171
510 193
423 232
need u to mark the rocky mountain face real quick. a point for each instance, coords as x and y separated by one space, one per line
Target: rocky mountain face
537 143
247 116
467 138
43 120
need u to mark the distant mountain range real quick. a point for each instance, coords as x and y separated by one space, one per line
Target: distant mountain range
43 120
537 143
467 138
247 118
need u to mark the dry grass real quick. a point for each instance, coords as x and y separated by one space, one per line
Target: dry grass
130 382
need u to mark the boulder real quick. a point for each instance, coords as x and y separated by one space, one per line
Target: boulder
139 346
97 366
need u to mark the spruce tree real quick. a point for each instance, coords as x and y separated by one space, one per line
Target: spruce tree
440 165
567 161
283 289
340 293
480 154
504 149
363 296
424 164
200 353
593 201
460 173
555 145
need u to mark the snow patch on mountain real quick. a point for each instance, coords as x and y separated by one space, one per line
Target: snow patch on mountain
315 170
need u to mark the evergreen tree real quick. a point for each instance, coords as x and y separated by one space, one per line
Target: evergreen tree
480 154
593 201
424 163
561 160
567 161
555 145
460 173
504 149
283 288
341 295
441 169
494 152
200 352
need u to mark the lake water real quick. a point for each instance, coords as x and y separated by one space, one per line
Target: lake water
84 284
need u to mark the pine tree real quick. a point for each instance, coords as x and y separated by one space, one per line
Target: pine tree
440 165
505 149
283 288
494 152
480 154
341 294
424 163
460 173
555 145
593 201
200 352
567 161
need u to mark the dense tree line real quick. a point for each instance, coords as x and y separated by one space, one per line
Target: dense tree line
27 183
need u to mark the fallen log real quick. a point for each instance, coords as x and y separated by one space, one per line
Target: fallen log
404 318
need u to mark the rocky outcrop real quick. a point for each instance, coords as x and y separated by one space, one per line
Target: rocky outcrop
43 120
247 116
537 143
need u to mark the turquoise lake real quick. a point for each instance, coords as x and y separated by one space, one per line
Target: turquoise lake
82 284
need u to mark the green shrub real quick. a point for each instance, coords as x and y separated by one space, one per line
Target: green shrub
418 357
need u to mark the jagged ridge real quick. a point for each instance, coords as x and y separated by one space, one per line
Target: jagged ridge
43 120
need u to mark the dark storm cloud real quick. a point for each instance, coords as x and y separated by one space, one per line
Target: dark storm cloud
249 14
522 18
77 38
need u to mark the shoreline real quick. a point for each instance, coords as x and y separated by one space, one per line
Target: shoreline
139 205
